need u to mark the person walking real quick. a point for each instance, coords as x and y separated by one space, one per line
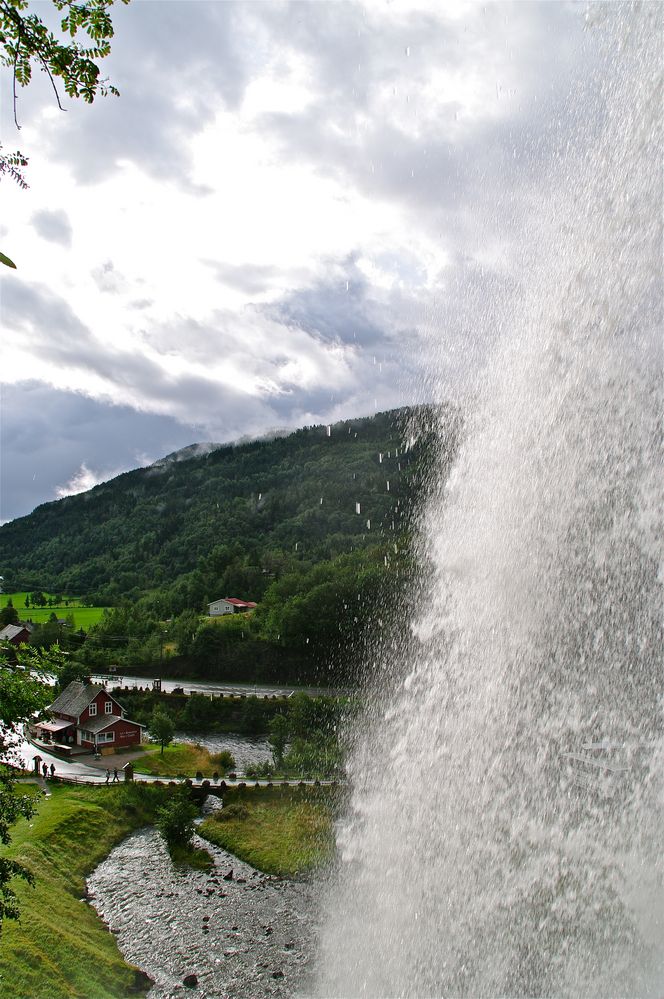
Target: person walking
108 775
116 776
52 769
45 770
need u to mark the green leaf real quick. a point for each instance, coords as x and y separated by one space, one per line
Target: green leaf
6 261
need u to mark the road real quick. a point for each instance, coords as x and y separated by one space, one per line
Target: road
94 771
212 687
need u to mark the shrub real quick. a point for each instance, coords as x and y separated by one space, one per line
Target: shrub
176 820
224 760
231 812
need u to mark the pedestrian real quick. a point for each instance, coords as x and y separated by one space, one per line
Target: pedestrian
52 769
108 775
116 776
44 770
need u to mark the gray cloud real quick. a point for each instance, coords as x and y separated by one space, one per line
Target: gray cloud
47 435
175 63
373 118
251 279
53 226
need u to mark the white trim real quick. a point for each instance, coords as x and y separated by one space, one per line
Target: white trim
92 709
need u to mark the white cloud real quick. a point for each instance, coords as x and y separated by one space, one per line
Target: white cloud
281 193
83 480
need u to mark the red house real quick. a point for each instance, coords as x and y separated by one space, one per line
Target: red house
17 634
85 714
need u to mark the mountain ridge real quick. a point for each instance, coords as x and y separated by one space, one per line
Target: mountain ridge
313 494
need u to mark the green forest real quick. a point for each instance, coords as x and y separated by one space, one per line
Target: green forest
315 527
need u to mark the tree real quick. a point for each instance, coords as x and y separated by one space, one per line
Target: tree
278 737
27 41
8 615
23 690
176 819
161 727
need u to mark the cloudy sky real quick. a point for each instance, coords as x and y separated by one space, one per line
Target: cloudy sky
282 218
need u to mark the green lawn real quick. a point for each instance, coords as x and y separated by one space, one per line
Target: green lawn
61 948
283 830
179 759
84 617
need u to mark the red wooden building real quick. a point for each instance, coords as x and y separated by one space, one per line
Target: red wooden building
86 714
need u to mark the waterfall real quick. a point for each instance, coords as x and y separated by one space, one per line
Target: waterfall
504 832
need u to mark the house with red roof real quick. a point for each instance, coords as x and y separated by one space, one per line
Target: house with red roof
230 605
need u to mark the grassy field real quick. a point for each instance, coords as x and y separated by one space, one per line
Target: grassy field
283 830
181 759
61 948
83 616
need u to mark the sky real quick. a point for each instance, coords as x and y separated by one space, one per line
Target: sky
284 219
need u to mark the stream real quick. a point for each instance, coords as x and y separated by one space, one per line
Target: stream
242 938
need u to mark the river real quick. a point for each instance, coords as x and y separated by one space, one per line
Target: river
242 938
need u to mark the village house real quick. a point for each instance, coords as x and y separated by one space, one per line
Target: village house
229 605
17 634
87 715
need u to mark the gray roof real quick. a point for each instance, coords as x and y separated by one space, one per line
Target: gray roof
11 631
75 698
100 722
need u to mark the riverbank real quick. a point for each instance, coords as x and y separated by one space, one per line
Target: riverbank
61 948
281 830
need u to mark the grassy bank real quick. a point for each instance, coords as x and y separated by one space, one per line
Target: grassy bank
182 759
283 830
61 948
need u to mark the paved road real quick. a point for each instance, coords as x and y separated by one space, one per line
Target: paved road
212 687
90 771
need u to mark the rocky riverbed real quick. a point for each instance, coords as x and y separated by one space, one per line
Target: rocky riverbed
232 932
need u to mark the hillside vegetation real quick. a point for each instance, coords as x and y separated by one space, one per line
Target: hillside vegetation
61 948
313 526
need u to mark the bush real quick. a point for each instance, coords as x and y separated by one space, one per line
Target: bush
224 760
176 820
238 811
260 770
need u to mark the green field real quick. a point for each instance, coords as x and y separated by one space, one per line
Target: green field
61 947
84 617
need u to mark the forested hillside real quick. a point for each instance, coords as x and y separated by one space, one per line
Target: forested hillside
302 524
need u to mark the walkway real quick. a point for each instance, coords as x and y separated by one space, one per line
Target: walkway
94 771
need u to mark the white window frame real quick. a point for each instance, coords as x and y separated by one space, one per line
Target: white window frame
108 707
106 737
92 709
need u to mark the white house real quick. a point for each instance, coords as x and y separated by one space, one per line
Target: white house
229 605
